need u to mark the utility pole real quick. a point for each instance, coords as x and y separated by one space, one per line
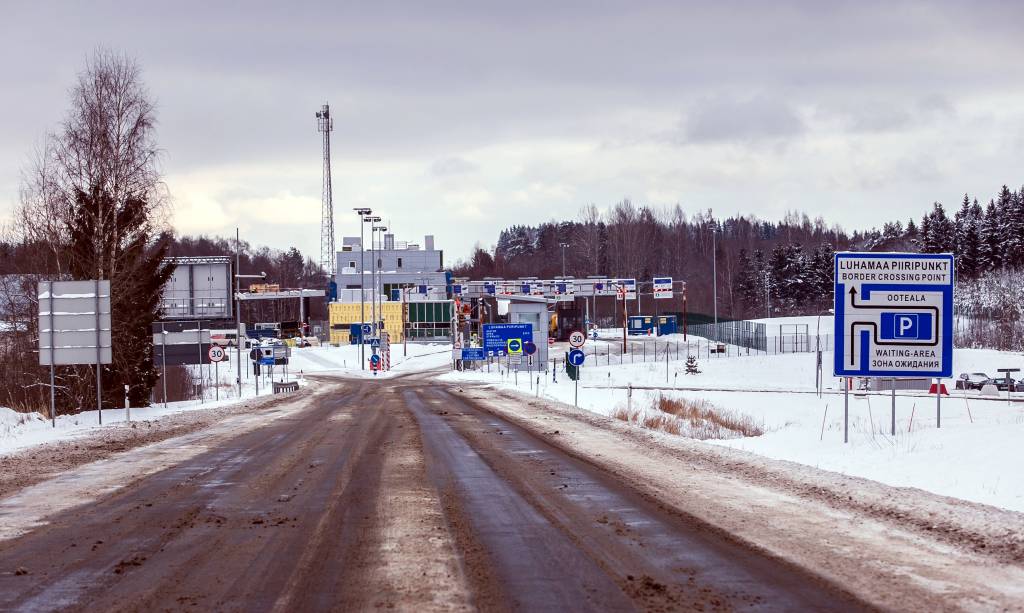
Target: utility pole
374 255
563 246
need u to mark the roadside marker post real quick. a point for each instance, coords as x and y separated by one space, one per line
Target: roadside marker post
127 405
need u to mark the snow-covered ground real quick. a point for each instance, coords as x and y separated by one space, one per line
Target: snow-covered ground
976 455
21 430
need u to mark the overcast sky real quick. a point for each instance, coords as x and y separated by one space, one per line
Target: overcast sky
459 119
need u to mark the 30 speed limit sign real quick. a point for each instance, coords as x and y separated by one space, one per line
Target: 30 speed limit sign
577 339
216 353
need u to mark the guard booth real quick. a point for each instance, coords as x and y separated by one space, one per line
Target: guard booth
534 311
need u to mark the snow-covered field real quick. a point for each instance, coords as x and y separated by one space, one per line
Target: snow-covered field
21 430
976 455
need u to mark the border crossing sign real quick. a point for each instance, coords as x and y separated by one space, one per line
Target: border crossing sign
894 315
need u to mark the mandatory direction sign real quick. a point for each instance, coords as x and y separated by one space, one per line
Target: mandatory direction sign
576 357
894 315
514 346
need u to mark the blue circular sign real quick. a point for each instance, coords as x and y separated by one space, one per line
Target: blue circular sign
374 359
576 357
367 329
529 348
515 346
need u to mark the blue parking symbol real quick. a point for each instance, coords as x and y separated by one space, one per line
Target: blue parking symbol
907 326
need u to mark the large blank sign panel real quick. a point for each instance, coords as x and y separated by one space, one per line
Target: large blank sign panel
74 322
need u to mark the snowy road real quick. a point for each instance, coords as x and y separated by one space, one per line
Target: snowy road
410 494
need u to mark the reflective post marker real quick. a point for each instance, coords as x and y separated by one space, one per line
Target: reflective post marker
127 405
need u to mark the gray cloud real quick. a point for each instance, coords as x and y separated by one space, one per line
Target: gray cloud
449 166
539 84
745 120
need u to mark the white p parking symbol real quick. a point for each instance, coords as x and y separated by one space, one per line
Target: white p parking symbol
906 323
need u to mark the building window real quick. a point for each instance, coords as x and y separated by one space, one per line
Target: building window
399 262
379 263
351 263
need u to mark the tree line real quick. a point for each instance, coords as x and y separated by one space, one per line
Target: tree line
763 268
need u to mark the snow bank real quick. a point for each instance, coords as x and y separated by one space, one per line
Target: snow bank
976 455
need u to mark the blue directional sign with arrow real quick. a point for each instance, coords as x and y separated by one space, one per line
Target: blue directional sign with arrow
894 315
576 357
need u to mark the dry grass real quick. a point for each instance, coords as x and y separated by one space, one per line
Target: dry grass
697 419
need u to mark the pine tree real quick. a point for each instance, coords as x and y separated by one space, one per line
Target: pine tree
990 255
692 368
745 283
1014 230
103 232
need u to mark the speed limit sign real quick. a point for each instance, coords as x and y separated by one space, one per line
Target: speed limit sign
216 353
577 339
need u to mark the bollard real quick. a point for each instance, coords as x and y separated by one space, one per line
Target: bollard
127 405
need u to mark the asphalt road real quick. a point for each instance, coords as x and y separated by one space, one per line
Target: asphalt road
395 494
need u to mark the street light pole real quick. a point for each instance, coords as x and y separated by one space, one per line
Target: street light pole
714 267
563 246
362 212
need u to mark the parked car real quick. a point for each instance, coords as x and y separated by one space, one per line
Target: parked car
974 381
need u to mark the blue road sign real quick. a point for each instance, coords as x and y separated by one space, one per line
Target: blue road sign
375 359
367 329
375 342
576 357
514 346
470 354
894 315
496 336
266 360
529 348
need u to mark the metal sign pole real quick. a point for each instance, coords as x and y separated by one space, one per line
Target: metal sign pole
938 403
846 409
53 359
216 380
99 357
163 358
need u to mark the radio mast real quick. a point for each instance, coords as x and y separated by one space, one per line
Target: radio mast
328 258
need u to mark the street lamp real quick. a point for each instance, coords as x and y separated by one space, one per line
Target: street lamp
375 277
363 212
238 316
563 246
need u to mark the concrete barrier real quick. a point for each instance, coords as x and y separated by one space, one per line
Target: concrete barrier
990 390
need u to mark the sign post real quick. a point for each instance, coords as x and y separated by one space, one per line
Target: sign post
576 358
216 354
893 318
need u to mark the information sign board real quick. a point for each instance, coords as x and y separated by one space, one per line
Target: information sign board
662 287
470 354
630 287
894 315
496 336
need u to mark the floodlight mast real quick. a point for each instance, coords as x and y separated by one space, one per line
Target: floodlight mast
363 212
